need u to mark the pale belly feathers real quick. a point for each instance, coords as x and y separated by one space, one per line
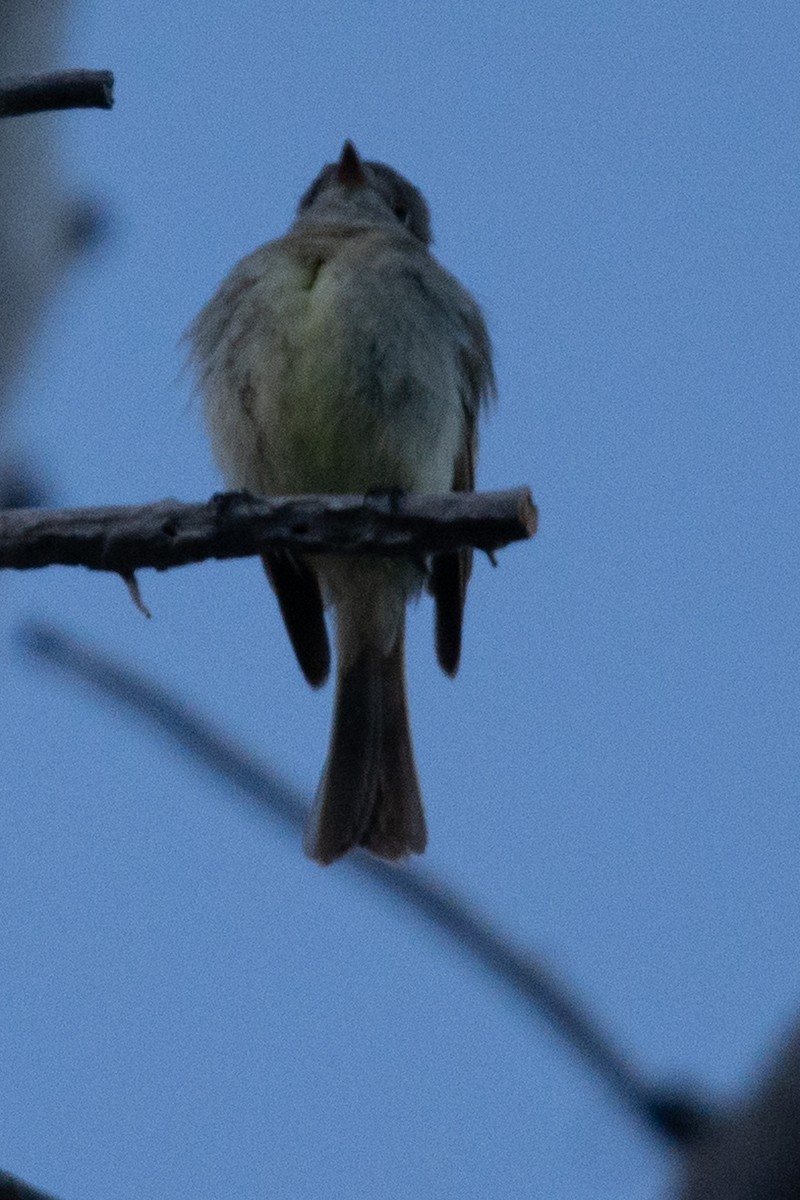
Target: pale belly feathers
345 377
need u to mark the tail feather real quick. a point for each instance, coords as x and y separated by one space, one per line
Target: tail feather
369 793
397 820
346 793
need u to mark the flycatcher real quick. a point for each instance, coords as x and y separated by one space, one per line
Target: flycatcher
343 358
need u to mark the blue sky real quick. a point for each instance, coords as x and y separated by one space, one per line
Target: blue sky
191 1007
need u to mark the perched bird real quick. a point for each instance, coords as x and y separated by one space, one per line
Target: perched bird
342 358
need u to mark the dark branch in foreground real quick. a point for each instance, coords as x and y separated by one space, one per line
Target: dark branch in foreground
673 1117
169 533
61 89
12 1188
752 1152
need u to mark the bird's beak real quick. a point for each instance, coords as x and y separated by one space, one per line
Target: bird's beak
349 169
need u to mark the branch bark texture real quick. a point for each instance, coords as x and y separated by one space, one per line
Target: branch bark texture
60 89
170 533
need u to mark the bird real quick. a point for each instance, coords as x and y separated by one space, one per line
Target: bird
343 358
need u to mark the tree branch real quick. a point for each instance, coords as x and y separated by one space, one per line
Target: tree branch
169 533
61 89
752 1152
673 1116
12 1188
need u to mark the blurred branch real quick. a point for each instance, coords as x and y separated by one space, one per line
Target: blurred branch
43 229
59 89
21 483
674 1117
234 524
12 1188
753 1152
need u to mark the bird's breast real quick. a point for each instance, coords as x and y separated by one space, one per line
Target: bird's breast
358 382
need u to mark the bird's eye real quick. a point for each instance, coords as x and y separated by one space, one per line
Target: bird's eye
402 213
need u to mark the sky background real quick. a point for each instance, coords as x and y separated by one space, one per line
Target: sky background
190 1007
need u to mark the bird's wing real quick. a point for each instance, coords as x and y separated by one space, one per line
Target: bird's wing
238 349
299 598
450 571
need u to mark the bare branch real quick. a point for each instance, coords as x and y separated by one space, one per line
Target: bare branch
169 533
61 89
676 1118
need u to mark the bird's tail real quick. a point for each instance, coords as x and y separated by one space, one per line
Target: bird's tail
369 793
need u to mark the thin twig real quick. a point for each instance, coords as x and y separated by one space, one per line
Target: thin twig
169 533
60 89
674 1117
